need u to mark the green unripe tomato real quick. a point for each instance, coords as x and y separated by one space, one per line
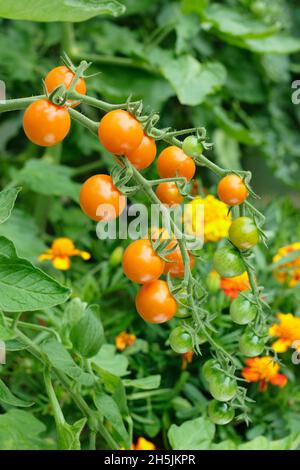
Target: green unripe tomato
116 256
182 311
213 282
250 344
180 340
228 262
243 233
222 387
209 368
220 412
191 146
242 311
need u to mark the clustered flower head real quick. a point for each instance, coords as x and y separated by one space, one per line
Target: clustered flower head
287 331
124 339
233 285
288 272
142 444
217 220
62 249
263 370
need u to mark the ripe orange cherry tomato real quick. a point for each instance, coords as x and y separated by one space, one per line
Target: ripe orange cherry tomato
173 161
100 199
140 262
62 75
119 132
155 303
168 193
46 124
176 266
232 190
144 154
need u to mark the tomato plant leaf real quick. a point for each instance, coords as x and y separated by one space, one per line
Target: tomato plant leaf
87 335
69 435
107 359
62 360
5 331
7 397
20 430
59 10
49 179
7 201
109 409
7 248
146 383
196 434
25 287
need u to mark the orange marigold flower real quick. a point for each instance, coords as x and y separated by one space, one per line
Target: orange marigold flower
287 331
263 370
186 359
143 444
232 286
62 249
288 272
123 340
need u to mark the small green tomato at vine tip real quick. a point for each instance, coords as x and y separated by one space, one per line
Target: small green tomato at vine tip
228 262
180 340
242 311
219 412
243 233
209 368
221 386
250 344
192 146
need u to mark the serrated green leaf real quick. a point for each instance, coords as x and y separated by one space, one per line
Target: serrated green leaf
7 202
59 10
87 335
7 248
44 177
109 409
20 430
110 361
24 287
196 434
7 397
62 360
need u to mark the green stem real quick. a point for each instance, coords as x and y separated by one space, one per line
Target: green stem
19 103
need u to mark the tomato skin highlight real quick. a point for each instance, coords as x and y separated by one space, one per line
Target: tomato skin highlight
242 311
140 262
46 124
155 303
119 132
232 190
63 76
250 344
180 340
144 154
222 387
172 162
175 266
220 412
228 262
168 193
243 233
99 190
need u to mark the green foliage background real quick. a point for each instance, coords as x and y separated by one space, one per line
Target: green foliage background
227 66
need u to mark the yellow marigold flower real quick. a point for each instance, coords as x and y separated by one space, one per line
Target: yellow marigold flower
143 444
62 249
263 370
288 272
123 340
233 285
216 218
186 359
287 331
